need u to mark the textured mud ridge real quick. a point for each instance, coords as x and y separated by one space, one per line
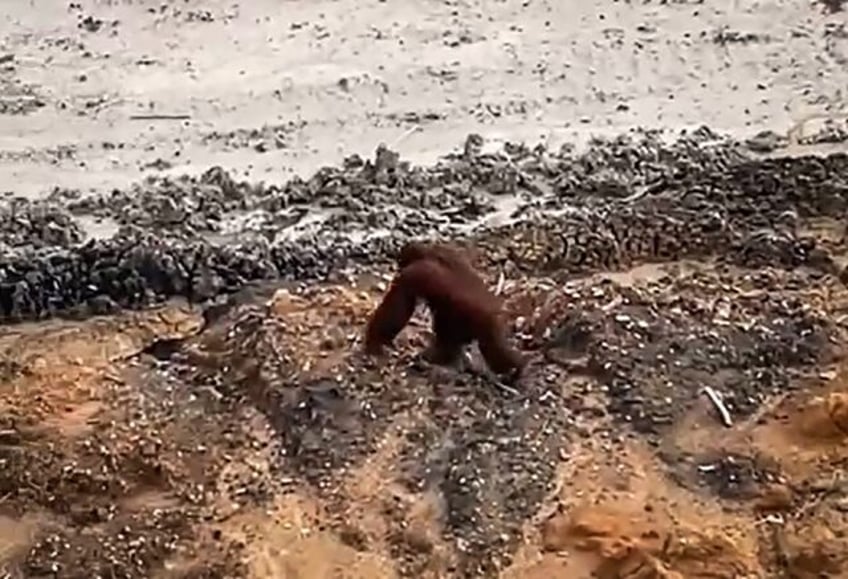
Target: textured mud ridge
746 213
651 200
36 225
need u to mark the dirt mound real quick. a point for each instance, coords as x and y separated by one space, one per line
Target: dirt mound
255 440
826 417
634 546
487 456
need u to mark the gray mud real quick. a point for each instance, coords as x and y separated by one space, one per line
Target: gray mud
265 90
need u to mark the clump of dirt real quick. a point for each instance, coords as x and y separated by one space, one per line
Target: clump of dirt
24 223
732 476
636 546
826 417
833 6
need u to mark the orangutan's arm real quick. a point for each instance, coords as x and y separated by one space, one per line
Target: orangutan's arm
500 356
392 315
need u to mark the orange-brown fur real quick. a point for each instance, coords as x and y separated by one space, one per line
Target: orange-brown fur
463 308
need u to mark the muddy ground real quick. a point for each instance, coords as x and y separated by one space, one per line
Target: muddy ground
181 389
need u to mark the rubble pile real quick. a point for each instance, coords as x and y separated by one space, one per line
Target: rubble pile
684 199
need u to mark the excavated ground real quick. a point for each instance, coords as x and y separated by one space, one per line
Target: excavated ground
238 432
181 391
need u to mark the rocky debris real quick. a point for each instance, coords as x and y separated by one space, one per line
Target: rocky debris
740 212
359 190
756 192
137 269
694 197
38 225
612 238
621 166
185 204
769 247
